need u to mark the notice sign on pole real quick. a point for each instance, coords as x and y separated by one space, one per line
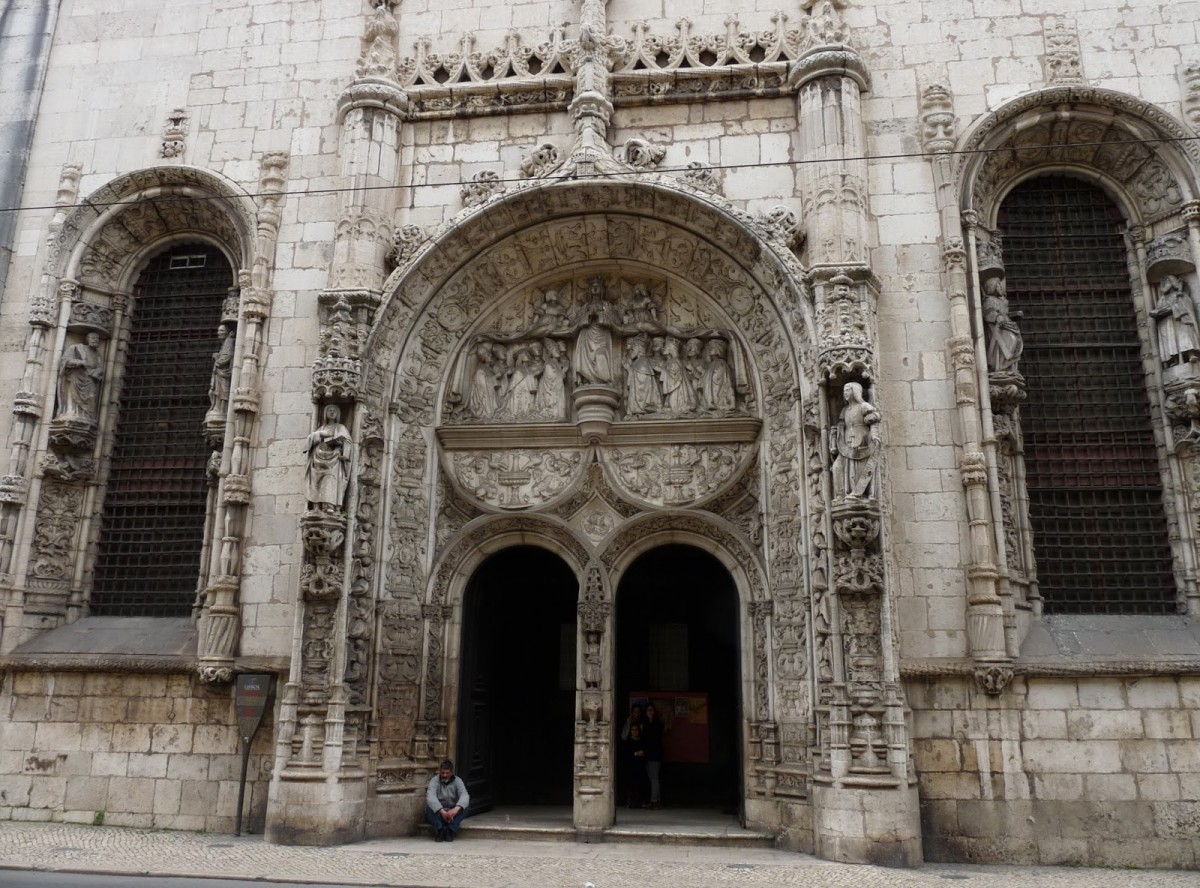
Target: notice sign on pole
250 697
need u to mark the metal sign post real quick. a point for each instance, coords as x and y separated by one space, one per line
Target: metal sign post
250 696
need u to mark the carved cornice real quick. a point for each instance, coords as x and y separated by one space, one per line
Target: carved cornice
129 664
1082 668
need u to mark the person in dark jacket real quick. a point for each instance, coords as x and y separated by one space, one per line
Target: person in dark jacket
652 739
446 801
635 766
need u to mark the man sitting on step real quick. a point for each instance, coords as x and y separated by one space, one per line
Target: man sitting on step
446 802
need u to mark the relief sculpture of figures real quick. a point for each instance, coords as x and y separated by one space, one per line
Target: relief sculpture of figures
222 375
717 387
533 371
642 394
1175 312
551 402
329 462
482 399
521 394
1004 342
678 395
594 345
855 444
80 375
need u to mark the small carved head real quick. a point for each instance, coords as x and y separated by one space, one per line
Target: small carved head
333 413
93 339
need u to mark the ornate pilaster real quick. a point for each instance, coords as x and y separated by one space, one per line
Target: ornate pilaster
235 399
857 674
594 790
987 615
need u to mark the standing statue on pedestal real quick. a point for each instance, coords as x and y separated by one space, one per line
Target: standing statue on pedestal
329 462
855 444
1175 312
79 378
1004 341
594 344
222 375
642 394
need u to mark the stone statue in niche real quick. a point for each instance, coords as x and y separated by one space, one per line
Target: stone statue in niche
855 444
594 341
222 375
328 472
1175 312
79 377
1004 341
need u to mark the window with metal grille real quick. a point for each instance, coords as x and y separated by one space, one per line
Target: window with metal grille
1092 467
155 504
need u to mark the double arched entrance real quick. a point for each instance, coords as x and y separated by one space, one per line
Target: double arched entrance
676 641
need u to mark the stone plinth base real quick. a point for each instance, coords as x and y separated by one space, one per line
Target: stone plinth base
593 811
863 825
328 811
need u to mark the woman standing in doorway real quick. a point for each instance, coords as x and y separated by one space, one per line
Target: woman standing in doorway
652 738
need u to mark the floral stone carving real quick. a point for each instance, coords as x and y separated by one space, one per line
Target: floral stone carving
515 479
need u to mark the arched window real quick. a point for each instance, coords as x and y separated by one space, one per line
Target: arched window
156 497
1092 467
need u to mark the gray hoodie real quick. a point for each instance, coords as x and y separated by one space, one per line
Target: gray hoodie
446 795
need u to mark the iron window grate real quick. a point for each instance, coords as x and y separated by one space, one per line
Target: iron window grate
1092 467
155 505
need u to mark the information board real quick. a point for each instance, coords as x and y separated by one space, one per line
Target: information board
685 723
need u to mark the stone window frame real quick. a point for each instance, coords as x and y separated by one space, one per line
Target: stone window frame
96 252
1150 175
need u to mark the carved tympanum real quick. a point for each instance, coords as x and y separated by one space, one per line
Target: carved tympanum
661 362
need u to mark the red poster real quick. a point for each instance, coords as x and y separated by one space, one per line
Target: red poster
685 723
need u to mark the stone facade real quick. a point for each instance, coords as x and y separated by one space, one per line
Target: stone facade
734 281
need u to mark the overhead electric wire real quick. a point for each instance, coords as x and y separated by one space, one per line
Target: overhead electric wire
861 158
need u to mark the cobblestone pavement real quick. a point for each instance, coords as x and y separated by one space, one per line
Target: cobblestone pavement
490 863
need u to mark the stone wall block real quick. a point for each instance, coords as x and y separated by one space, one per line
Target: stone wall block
1144 756
1106 725
1069 757
134 795
87 794
148 764
1153 693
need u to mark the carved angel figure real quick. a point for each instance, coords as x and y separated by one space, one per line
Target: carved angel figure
1176 315
1004 341
329 462
79 378
855 443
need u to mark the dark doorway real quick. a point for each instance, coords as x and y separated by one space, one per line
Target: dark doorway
677 644
516 707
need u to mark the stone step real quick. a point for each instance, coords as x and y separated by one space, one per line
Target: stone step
655 829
